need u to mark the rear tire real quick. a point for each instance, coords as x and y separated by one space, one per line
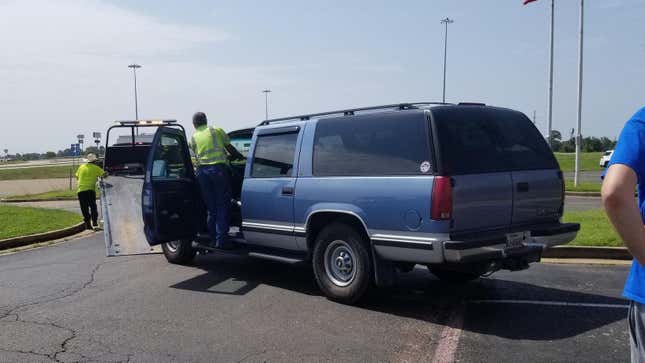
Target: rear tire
179 252
342 263
456 277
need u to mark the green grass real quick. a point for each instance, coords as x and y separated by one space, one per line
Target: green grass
22 221
37 172
595 229
54 194
582 186
588 161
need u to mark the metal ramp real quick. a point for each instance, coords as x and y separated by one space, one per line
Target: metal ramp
122 219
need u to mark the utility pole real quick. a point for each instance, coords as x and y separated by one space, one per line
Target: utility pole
580 62
550 96
266 103
134 67
445 21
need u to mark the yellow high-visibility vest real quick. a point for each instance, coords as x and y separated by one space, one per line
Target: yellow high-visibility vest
87 175
209 145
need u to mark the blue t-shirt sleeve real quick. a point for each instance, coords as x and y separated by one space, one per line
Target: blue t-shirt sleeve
630 150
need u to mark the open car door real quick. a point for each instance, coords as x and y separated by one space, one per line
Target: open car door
170 200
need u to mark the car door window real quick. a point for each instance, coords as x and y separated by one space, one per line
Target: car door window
274 155
169 158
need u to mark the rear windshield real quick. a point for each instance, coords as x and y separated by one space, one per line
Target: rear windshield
372 145
483 140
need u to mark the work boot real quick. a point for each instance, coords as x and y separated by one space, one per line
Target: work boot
88 225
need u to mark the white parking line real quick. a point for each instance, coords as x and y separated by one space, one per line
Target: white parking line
550 303
449 338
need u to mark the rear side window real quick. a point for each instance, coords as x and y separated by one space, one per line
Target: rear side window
522 142
483 140
371 145
274 155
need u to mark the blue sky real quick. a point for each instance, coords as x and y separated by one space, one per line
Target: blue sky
64 66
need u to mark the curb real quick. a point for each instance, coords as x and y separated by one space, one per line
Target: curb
605 253
41 237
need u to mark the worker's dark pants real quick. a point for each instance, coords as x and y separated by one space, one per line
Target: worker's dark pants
215 184
87 200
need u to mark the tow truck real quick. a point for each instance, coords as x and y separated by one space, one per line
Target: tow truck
121 191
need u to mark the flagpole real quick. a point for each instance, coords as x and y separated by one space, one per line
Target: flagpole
580 57
550 97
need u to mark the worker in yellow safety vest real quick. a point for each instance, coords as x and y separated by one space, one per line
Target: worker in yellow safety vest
212 150
87 175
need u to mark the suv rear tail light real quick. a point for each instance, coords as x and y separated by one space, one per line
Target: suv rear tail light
441 198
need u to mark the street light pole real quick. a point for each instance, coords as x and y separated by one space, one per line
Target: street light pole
550 96
266 103
136 101
579 134
445 21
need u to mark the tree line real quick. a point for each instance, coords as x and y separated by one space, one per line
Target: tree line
58 154
589 144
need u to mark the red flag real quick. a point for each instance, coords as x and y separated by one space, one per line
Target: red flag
528 1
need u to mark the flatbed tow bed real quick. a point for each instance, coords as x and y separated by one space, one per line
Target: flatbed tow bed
120 191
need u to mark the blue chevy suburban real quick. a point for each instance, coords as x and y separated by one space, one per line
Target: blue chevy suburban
363 194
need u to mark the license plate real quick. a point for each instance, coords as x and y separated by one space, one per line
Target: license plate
517 239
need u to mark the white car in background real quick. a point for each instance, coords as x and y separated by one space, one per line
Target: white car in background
604 159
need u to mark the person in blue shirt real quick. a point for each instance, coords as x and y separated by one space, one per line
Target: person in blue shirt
626 172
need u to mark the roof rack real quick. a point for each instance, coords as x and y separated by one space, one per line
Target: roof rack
146 122
353 111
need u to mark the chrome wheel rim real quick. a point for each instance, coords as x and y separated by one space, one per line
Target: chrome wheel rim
340 263
173 246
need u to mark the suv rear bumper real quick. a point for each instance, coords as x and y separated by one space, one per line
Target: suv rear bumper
540 239
477 250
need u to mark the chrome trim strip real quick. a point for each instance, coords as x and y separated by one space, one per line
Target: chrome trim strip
399 238
277 227
415 176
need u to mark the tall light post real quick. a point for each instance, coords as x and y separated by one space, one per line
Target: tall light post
266 103
579 134
136 101
550 95
445 21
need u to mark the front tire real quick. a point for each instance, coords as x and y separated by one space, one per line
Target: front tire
342 263
179 252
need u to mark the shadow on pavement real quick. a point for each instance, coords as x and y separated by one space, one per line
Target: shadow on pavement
419 295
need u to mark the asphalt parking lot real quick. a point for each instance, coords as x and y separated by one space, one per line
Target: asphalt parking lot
70 303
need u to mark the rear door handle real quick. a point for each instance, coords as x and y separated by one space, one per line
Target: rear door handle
287 190
523 187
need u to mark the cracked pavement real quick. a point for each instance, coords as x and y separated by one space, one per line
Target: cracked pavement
70 303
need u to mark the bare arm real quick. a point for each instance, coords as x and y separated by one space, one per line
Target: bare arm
622 209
